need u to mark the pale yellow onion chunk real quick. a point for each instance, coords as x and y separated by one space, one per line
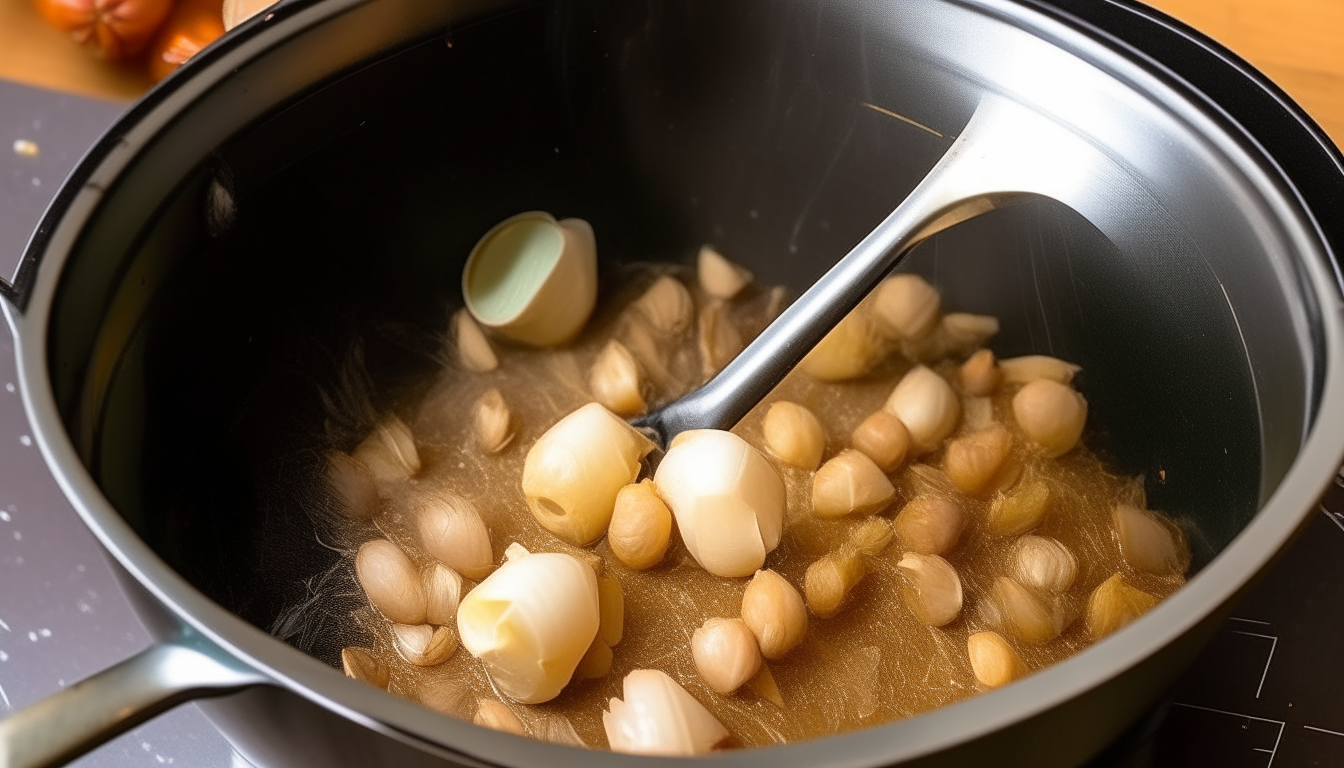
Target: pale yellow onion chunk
573 472
658 717
531 622
727 498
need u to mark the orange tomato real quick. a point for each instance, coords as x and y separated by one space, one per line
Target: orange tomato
193 25
115 30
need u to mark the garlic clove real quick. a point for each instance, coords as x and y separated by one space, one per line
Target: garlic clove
726 654
1146 543
533 279
573 472
667 306
1115 604
721 278
389 452
1044 564
994 662
727 498
1051 415
360 664
764 686
929 524
977 413
883 438
596 662
905 306
980 374
641 526
729 536
794 435
1019 510
927 406
497 715
658 717
352 484
531 622
616 380
957 335
447 697
720 340
1006 477
849 351
452 532
829 580
850 483
1029 368
494 430
443 592
964 331
423 645
611 609
473 349
647 351
775 303
930 479
975 461
932 588
1023 615
871 536
391 582
774 611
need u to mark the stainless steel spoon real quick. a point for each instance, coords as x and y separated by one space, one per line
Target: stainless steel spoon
1007 153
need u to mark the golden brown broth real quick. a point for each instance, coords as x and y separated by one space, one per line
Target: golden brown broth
871 663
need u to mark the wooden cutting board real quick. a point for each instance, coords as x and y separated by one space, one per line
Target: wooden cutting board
1298 43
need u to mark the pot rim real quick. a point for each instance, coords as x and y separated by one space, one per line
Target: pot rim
1282 515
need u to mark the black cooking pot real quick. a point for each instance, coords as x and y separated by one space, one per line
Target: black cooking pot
304 192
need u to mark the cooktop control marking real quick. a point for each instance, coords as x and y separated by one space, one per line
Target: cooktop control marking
1272 752
1274 643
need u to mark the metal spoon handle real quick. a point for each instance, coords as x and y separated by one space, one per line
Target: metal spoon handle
1005 153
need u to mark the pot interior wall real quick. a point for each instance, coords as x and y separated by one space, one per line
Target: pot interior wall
666 125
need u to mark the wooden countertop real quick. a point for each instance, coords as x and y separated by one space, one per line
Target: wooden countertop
34 53
1298 43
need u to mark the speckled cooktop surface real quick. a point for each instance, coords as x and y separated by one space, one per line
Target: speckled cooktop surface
1269 692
